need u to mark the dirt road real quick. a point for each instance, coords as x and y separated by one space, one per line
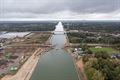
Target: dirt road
81 69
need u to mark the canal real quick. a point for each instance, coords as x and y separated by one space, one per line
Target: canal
56 64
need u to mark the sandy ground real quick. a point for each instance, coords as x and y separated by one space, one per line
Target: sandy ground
25 72
81 68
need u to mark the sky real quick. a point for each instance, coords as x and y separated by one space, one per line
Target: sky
60 9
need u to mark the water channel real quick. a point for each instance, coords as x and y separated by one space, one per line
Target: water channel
56 64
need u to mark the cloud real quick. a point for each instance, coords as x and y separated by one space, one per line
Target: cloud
60 9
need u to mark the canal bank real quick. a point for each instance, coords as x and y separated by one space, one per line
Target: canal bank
56 64
25 72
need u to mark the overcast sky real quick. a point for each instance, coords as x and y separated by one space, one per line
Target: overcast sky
60 9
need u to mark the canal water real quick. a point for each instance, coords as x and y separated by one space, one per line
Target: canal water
56 64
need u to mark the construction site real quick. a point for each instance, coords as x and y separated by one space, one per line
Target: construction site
15 51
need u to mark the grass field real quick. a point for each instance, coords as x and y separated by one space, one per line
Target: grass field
104 49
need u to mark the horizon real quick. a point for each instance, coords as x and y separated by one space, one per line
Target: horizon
55 20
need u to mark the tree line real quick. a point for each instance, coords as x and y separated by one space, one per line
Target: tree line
93 26
22 27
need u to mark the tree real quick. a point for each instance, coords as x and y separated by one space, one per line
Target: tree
103 55
98 76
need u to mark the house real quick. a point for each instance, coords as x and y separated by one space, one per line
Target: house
116 56
78 51
1 49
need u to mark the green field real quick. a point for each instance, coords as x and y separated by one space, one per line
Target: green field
104 49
